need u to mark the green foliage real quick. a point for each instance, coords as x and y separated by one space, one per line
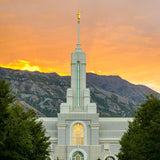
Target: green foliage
22 135
142 140
6 98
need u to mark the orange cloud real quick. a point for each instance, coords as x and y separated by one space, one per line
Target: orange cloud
26 65
22 65
119 37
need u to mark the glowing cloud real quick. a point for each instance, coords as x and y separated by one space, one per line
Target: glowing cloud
22 65
26 65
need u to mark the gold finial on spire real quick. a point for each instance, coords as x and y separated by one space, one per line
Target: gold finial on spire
78 16
78 44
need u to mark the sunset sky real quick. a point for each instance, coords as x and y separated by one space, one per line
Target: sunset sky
120 37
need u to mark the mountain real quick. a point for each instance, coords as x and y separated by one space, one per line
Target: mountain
46 91
117 85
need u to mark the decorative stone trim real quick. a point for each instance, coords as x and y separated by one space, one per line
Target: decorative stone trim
94 126
115 119
110 154
62 126
109 140
79 150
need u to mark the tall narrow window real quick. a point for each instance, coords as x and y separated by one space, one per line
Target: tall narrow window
78 83
78 134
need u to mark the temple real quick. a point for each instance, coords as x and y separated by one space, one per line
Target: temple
78 133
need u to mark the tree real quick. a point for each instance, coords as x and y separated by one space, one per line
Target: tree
142 140
6 98
23 135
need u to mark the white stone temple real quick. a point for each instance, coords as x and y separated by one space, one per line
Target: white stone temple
78 133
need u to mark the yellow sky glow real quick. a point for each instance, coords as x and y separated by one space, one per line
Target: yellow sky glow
119 37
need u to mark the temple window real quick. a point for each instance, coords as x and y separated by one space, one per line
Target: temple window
77 156
78 134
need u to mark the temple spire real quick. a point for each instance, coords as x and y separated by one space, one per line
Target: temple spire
78 44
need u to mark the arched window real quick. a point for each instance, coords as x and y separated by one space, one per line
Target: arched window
78 156
78 134
110 158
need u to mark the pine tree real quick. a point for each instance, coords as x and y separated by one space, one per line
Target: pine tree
142 140
6 98
23 135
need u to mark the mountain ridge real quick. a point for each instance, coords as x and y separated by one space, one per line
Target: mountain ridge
44 92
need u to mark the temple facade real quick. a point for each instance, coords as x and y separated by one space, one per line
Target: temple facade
78 133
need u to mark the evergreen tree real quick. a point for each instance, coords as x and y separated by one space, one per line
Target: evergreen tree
23 135
142 140
6 98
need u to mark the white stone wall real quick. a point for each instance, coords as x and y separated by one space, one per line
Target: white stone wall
102 134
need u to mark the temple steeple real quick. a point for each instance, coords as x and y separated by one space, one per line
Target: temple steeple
78 96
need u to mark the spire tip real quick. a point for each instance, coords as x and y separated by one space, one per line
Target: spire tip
78 44
78 16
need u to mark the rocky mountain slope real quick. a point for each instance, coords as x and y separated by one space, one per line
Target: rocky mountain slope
45 91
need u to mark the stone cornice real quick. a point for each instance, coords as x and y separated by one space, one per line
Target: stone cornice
95 125
61 125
